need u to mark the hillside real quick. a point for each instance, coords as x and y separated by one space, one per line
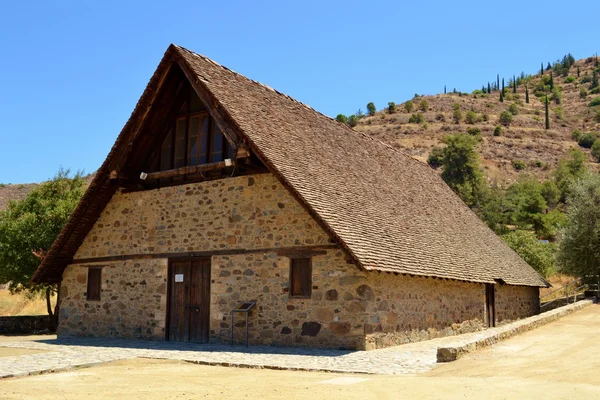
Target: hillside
526 139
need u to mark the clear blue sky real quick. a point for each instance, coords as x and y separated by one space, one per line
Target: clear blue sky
72 71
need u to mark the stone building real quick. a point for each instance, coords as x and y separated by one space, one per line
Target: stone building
221 190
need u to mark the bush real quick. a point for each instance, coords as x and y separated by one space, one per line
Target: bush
417 118
538 163
596 150
424 105
587 140
513 109
342 118
536 253
576 135
595 102
392 107
474 131
409 106
498 131
583 93
436 157
456 116
353 121
570 79
440 117
371 110
519 165
471 117
557 95
505 118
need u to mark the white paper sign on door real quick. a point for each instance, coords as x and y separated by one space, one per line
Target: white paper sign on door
178 277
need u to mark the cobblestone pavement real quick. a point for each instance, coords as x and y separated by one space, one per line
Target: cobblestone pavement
408 359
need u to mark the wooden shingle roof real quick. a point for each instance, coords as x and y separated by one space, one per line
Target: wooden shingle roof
389 211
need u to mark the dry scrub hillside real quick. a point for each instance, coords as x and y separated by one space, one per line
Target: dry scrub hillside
526 139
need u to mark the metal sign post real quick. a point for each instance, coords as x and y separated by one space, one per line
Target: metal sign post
242 308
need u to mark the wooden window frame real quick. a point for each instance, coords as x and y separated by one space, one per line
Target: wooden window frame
291 278
95 268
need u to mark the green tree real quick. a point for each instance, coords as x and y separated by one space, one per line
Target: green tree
526 95
526 203
594 83
502 96
579 246
547 114
424 105
471 117
587 140
409 106
391 107
436 157
371 110
352 120
596 150
568 171
541 256
542 69
29 227
513 109
550 193
489 88
417 118
461 169
505 118
341 118
514 85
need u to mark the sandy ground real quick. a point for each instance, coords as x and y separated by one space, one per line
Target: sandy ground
559 360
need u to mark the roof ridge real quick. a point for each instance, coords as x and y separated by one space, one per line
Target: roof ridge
299 102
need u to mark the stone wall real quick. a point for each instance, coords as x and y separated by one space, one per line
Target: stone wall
516 302
24 324
349 308
132 304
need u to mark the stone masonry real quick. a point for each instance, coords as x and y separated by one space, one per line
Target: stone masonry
349 307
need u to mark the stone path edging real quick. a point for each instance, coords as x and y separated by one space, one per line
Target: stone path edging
454 351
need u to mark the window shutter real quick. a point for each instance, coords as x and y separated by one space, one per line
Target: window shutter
300 277
94 283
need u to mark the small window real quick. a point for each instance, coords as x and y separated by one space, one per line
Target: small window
94 283
300 278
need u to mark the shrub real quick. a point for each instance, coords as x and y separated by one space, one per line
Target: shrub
513 109
440 117
409 106
498 131
595 102
596 150
570 79
505 118
371 110
557 95
436 157
417 118
536 253
456 116
587 140
559 112
474 131
583 93
342 118
485 117
392 107
519 165
424 105
576 135
471 117
597 116
538 163
586 79
352 120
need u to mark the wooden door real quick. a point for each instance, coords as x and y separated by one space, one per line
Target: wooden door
189 300
490 304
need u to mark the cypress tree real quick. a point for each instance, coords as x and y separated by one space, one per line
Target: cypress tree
502 85
498 81
444 89
542 69
548 67
502 96
551 81
547 116
514 85
526 94
578 72
489 88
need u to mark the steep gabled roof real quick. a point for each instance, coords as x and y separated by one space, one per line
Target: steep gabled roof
388 211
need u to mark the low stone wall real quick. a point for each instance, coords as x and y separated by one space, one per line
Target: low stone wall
24 324
491 336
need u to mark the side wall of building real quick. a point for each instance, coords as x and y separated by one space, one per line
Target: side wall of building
515 302
349 307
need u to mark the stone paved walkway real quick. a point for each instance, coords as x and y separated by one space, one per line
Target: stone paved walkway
408 359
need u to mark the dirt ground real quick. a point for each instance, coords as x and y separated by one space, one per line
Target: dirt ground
557 361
